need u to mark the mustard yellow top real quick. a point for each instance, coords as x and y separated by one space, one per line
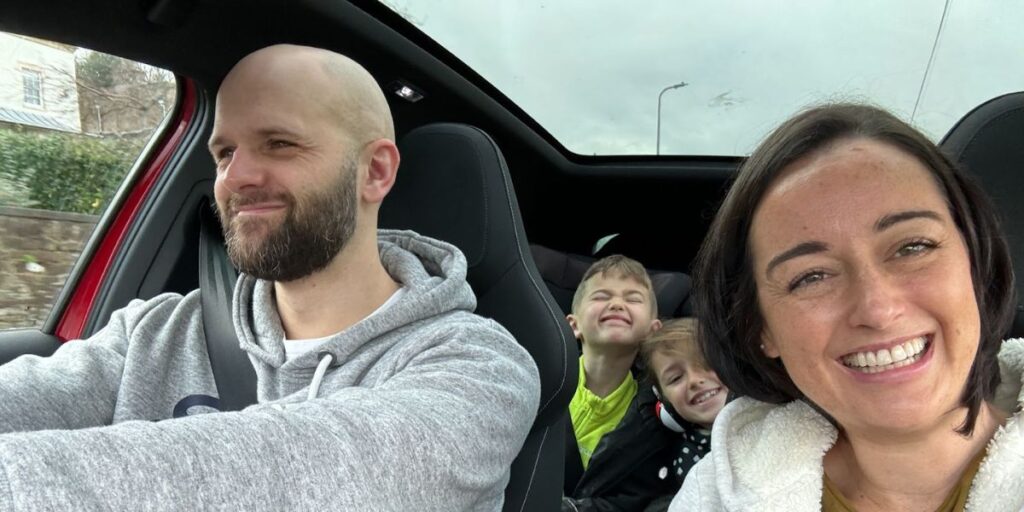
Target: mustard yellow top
833 501
593 416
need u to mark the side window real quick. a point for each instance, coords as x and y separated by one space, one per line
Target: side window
32 82
72 124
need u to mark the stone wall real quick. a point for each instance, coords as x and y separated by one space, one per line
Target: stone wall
37 250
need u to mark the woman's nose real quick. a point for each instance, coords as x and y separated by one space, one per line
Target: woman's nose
877 300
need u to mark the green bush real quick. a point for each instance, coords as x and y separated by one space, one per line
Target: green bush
61 171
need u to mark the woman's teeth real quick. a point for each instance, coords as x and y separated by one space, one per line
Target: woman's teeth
887 359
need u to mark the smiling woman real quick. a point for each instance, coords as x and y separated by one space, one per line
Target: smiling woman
857 279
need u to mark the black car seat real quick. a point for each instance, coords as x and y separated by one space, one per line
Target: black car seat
453 185
989 143
563 271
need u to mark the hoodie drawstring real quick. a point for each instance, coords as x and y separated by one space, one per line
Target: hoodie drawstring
318 376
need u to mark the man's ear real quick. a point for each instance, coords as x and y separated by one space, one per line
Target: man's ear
768 346
575 326
381 170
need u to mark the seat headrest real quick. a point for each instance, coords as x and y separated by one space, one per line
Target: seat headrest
987 142
562 272
440 190
453 185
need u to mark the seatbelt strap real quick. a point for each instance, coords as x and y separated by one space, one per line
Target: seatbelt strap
232 370
573 461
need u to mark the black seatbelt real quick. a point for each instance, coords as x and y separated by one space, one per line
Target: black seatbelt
232 371
573 460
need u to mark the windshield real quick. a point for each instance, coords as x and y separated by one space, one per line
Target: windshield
591 72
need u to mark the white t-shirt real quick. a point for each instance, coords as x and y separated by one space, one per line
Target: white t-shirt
295 348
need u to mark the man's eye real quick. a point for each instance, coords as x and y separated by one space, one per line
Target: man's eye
223 154
277 143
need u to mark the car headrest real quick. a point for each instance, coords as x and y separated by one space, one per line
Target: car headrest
987 142
562 273
453 185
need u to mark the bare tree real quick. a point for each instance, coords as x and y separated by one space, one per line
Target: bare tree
122 97
117 96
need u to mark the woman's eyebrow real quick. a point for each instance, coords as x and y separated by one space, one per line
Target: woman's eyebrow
892 219
802 249
886 222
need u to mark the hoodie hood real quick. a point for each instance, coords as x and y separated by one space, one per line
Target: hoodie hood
433 274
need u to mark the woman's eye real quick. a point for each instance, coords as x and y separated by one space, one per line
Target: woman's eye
807 279
915 247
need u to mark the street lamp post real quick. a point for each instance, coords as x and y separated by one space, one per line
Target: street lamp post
657 144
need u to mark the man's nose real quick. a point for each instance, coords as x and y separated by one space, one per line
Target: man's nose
244 170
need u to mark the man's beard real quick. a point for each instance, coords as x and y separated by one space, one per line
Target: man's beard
314 230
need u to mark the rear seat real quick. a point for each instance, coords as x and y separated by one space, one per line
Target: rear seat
562 273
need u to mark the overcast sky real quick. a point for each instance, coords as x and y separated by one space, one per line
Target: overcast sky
590 71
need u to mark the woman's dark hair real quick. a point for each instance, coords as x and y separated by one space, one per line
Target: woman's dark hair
726 295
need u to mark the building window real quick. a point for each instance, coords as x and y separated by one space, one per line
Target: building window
32 87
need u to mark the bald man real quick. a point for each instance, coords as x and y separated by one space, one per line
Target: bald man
378 388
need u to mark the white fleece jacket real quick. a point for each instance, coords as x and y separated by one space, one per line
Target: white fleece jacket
768 457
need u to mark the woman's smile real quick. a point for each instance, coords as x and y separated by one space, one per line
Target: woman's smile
899 363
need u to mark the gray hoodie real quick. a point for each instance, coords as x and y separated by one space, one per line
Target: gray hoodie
424 407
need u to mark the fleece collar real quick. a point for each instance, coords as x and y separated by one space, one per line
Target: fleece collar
752 440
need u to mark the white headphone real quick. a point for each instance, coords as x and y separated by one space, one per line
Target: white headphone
665 413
